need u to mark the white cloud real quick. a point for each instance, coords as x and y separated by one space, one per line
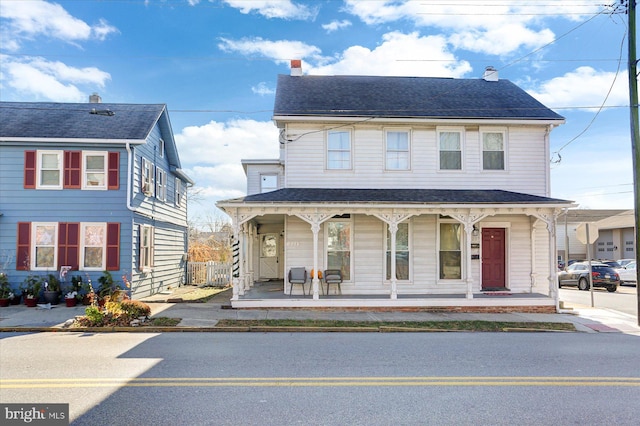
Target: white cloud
282 9
336 25
27 19
584 87
281 51
501 40
262 89
396 55
51 80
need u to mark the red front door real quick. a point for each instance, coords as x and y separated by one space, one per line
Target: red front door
493 258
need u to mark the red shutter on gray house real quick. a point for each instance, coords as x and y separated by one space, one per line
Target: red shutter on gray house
113 170
113 246
72 169
23 246
29 170
69 245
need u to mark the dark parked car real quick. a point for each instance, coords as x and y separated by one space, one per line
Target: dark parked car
578 274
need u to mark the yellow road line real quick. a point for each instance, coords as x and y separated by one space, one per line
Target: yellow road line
318 382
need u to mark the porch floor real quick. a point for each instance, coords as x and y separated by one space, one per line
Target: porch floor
270 294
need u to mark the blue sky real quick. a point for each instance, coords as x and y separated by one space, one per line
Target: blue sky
215 64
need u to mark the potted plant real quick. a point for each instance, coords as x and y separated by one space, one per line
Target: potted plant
6 295
51 292
73 292
31 290
107 287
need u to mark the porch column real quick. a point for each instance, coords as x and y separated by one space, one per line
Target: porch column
247 259
393 230
468 229
241 257
315 228
550 220
251 238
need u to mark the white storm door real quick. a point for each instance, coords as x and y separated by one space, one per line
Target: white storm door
269 256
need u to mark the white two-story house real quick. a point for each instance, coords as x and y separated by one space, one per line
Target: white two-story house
424 192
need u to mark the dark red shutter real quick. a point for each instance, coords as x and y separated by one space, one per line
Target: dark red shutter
69 245
23 247
113 170
113 246
29 170
72 169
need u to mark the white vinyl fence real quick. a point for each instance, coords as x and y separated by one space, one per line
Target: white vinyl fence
216 274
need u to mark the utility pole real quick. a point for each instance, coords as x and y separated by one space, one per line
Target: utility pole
635 135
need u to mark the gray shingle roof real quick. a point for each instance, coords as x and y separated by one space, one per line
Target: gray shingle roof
395 196
71 121
369 96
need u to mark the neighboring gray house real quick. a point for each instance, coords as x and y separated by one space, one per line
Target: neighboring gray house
615 229
424 192
94 186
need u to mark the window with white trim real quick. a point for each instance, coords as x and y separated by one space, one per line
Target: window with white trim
43 249
268 183
161 184
493 150
49 170
178 192
94 174
339 245
146 247
93 242
397 152
450 250
402 252
339 150
147 177
450 147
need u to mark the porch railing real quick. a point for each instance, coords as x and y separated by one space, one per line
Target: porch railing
209 273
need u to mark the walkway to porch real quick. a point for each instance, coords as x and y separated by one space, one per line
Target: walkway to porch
270 294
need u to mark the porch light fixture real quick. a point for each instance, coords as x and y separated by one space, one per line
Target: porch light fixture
475 231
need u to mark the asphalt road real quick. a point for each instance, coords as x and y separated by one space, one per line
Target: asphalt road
327 378
623 300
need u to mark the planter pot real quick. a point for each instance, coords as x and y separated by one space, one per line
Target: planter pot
16 300
52 297
31 303
4 302
70 302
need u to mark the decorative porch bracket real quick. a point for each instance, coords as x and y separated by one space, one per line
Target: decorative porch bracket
392 220
549 218
238 221
315 220
468 220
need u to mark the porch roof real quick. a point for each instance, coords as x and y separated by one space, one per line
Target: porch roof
393 196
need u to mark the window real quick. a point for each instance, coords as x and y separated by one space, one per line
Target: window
339 246
49 170
397 150
161 148
402 252
146 247
493 144
339 150
95 170
178 194
94 241
147 177
161 184
268 183
450 146
450 251
44 246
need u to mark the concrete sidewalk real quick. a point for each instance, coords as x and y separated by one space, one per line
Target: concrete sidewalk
205 316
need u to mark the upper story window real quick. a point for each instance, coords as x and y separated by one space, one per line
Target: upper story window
178 192
147 177
161 184
161 148
339 150
268 183
450 147
95 170
397 156
49 170
493 149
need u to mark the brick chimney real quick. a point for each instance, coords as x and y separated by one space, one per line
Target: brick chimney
95 99
296 67
490 74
